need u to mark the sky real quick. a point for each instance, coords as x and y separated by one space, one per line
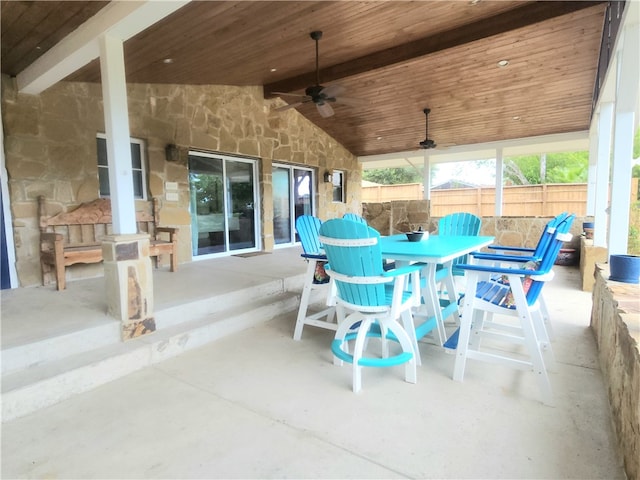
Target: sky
476 173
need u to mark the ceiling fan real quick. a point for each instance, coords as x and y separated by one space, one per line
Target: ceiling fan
320 95
427 143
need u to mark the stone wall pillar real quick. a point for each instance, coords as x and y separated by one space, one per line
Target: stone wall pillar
129 283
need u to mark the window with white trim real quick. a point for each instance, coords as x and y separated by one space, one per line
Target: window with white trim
138 167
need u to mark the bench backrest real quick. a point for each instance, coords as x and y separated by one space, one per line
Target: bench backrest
90 222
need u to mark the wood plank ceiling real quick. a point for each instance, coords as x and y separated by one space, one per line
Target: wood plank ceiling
398 57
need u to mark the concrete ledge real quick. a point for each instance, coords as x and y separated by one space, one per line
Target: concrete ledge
615 320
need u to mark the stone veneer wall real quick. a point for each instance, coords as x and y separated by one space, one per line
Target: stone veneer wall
615 321
50 148
403 216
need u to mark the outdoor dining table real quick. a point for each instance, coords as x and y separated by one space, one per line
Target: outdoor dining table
433 250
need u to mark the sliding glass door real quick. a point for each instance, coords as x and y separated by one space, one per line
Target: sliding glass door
293 195
223 200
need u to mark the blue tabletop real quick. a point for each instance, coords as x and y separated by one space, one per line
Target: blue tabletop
434 249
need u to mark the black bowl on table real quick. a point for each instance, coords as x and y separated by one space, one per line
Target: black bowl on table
416 236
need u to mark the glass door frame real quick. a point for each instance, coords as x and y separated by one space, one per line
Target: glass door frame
256 204
312 197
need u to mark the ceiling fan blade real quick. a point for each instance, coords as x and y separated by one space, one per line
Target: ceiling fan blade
332 91
284 94
353 102
324 109
287 107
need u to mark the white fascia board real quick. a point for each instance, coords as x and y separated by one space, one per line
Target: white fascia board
562 142
118 19
631 18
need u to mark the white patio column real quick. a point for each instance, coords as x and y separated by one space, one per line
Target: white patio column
116 119
426 181
127 266
604 127
499 182
592 172
625 108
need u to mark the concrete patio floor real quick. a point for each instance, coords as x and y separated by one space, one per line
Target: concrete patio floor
258 404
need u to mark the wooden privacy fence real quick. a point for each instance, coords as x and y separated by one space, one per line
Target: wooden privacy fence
518 201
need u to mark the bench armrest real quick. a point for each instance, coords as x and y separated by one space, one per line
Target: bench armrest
173 233
50 237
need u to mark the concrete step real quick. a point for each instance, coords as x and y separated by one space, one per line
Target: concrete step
49 382
107 331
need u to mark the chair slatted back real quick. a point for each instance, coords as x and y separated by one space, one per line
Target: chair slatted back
559 236
460 223
308 228
547 235
354 217
353 249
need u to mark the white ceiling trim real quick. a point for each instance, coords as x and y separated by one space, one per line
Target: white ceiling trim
118 19
562 142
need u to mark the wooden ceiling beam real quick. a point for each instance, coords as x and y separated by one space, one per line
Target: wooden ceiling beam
520 17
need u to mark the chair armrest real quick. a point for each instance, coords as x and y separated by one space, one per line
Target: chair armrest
314 256
403 270
503 270
503 257
512 249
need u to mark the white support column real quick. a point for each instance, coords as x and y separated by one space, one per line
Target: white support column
626 104
426 179
499 182
116 114
593 170
605 122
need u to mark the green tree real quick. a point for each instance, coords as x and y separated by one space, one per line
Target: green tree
569 167
393 176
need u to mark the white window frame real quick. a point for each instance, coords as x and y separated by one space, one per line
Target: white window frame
142 169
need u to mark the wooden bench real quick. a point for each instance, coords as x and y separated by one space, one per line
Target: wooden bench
76 237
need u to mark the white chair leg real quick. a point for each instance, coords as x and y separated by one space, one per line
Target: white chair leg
343 329
465 329
477 325
304 300
410 371
410 329
546 317
544 341
358 348
537 360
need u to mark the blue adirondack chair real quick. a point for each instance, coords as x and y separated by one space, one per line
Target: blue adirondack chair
524 254
308 228
354 217
460 223
369 300
512 292
501 255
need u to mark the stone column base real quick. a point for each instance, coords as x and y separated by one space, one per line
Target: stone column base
589 256
129 283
